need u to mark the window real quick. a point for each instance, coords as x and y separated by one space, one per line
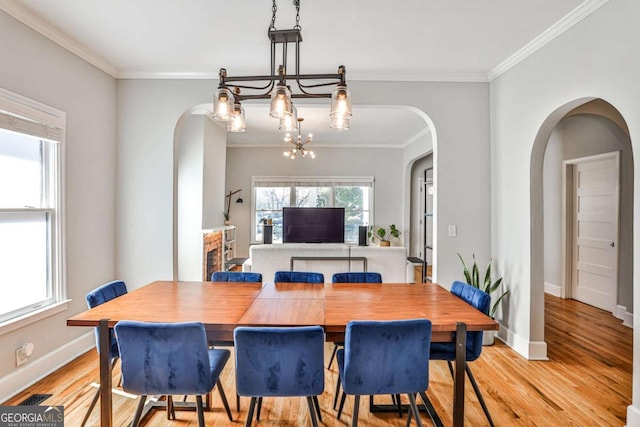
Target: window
271 194
30 207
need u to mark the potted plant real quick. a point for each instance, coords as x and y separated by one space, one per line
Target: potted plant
472 277
383 235
225 213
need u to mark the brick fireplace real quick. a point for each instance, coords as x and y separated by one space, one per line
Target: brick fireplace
212 254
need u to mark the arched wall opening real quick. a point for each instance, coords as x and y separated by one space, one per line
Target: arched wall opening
199 188
571 123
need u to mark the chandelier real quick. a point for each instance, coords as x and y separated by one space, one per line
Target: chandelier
276 86
298 144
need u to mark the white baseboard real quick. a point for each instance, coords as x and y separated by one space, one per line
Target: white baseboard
35 370
551 289
622 314
633 416
530 350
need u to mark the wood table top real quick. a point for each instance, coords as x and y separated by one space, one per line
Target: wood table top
224 305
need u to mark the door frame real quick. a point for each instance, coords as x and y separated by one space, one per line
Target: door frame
567 220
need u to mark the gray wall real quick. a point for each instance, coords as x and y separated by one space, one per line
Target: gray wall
39 69
148 111
590 60
581 136
384 164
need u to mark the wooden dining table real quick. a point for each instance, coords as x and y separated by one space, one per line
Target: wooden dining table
222 306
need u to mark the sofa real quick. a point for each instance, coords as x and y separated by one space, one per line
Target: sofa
390 262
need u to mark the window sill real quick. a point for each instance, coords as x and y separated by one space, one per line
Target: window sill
27 319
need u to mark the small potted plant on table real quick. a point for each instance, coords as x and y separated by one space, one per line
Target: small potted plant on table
382 235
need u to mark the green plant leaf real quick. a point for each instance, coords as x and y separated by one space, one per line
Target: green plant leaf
475 274
497 303
487 279
467 276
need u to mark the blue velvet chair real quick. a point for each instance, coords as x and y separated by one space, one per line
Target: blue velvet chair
390 357
298 277
351 277
169 359
96 297
447 350
236 276
279 362
357 277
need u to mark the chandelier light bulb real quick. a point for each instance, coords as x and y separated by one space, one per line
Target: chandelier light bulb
223 104
281 102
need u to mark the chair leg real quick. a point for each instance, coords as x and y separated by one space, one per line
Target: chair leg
342 399
450 369
474 384
91 406
333 355
396 399
200 411
252 406
356 407
414 409
223 396
237 402
259 409
171 412
317 405
96 396
435 418
138 414
312 412
335 398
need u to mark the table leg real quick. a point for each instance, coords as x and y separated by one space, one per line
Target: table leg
458 385
105 374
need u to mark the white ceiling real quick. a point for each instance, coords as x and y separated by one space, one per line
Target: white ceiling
411 40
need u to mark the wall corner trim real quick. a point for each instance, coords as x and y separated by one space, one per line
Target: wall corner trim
530 350
557 29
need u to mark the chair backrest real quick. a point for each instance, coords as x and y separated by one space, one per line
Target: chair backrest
298 277
99 296
236 276
388 357
164 358
479 300
357 277
279 361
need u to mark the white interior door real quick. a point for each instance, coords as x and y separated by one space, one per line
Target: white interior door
595 233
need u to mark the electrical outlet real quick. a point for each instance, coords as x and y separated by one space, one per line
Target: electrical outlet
20 359
23 353
453 231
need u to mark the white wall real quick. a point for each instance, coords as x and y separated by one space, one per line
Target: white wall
147 115
384 164
581 136
37 68
593 59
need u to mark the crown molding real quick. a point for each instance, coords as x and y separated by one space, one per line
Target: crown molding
557 29
27 17
168 75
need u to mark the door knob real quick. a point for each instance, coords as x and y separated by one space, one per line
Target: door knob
612 244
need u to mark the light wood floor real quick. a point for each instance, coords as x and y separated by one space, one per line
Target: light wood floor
586 382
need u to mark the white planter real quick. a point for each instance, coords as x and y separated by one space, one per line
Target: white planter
488 337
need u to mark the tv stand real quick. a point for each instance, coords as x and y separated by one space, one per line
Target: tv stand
330 258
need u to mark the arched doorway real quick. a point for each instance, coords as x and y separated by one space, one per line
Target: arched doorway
584 127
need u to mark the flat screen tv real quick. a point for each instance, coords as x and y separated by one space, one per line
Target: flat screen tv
313 225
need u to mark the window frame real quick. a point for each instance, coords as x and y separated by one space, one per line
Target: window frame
310 181
25 116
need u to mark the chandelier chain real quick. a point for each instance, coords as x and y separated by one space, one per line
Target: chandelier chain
297 5
274 9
